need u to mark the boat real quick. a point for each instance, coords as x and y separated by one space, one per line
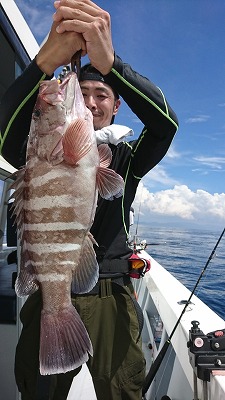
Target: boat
194 363
180 376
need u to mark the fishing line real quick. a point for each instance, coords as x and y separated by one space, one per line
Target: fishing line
201 286
139 210
156 364
137 225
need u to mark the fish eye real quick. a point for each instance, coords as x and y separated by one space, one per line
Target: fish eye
37 113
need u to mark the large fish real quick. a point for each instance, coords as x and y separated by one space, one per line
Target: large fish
55 202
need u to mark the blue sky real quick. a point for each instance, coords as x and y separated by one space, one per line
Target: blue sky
179 45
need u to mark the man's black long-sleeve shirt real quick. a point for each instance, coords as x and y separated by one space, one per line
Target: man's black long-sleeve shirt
132 160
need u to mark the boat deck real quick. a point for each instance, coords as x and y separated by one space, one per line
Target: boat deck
82 387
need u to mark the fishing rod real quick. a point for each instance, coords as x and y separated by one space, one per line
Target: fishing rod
156 364
137 225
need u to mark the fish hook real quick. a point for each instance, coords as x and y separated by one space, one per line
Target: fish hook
76 63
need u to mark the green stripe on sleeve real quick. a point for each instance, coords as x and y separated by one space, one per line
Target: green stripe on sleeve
3 138
166 114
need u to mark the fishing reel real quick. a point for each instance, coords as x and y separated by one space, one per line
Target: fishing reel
206 352
138 266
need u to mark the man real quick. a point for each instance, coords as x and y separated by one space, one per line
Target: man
109 310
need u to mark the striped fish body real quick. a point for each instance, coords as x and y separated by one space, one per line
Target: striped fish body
55 203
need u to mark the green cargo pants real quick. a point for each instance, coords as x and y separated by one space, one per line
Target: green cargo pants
118 365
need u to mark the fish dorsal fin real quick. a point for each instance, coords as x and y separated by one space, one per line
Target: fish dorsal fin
76 141
105 155
18 195
109 183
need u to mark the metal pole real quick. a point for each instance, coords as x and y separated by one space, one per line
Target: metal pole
195 386
205 390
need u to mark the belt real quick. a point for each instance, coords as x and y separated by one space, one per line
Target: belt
119 280
113 266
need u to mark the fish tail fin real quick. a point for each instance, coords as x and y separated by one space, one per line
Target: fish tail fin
64 342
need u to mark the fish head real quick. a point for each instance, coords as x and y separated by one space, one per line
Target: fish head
57 105
48 121
49 111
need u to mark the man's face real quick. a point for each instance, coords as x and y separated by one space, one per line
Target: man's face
100 100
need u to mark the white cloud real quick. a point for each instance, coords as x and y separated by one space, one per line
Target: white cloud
213 162
158 175
182 204
197 118
172 153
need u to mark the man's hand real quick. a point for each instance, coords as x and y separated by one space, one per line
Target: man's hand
93 23
59 49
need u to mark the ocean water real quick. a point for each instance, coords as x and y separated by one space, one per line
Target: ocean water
185 253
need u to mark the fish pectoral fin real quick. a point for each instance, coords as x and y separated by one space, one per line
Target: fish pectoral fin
64 341
85 275
109 183
76 141
105 155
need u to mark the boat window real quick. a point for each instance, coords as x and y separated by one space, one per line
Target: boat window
12 66
18 68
